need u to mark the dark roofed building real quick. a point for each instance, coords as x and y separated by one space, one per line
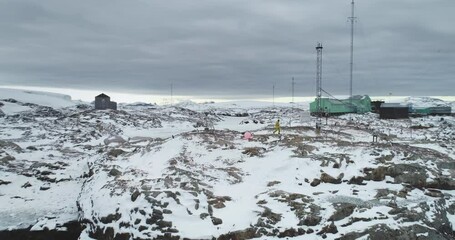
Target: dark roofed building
376 105
393 111
103 102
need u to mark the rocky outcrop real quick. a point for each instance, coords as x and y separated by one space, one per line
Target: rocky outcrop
343 210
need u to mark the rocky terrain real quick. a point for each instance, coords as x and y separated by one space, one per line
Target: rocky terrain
184 172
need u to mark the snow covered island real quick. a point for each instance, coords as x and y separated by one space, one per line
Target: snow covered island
184 172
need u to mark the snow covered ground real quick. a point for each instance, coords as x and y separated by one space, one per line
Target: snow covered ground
184 171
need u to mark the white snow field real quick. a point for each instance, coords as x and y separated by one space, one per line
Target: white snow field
184 171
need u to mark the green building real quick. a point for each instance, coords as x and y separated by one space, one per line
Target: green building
421 111
360 104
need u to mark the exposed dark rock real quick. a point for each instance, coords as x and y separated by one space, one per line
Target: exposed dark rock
204 215
326 178
254 151
303 150
26 185
270 217
103 234
312 220
291 232
210 210
44 188
219 205
434 193
261 202
240 235
343 210
381 232
73 231
357 180
216 221
115 152
122 236
172 230
4 182
32 148
442 183
10 145
384 192
378 174
111 218
135 195
7 158
412 174
315 182
114 172
157 212
157 215
45 172
167 211
328 229
164 224
270 184
396 210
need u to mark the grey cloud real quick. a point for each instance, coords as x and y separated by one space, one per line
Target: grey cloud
227 48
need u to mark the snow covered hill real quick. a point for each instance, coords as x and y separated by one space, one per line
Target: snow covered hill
184 171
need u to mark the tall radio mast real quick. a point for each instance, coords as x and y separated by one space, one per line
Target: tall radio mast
352 20
318 85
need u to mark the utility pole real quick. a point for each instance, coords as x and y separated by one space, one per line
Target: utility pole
292 103
318 86
293 84
352 20
273 95
172 93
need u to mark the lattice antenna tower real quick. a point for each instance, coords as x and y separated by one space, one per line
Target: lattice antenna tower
293 84
172 93
318 85
352 19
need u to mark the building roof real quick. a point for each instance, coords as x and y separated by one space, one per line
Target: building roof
394 105
358 97
102 95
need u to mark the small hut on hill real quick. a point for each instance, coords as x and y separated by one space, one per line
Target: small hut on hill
103 102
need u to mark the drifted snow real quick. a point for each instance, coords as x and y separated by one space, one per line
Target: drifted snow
170 159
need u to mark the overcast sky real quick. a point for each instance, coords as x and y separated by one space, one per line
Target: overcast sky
223 49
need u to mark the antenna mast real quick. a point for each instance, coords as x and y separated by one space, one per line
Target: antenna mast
273 94
318 86
293 83
352 20
172 93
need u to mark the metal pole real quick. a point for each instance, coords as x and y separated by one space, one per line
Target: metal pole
273 94
292 106
293 83
318 86
172 94
352 19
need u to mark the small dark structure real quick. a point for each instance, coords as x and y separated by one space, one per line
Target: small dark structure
375 137
375 106
434 111
103 102
393 111
441 110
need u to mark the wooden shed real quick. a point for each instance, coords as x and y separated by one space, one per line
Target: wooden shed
103 102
